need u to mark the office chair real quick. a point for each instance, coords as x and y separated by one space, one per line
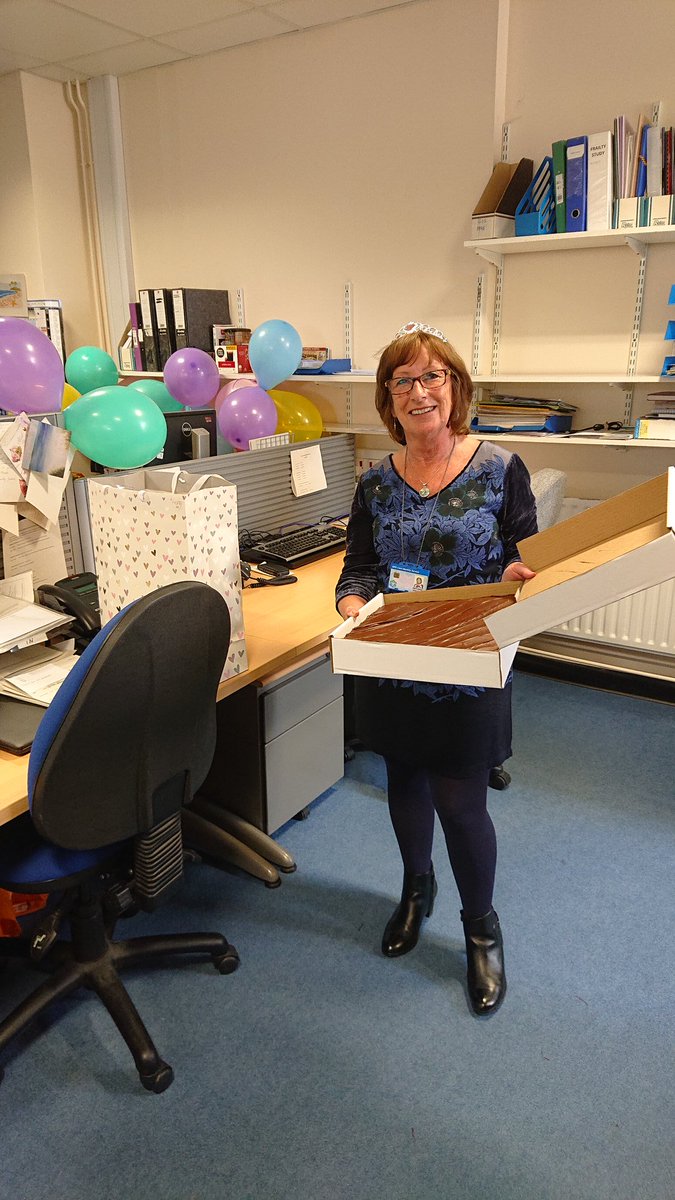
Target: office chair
125 743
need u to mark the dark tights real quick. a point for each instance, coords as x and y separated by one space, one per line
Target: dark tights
415 795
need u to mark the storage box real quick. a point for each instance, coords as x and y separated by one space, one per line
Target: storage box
233 358
494 214
619 547
535 212
230 335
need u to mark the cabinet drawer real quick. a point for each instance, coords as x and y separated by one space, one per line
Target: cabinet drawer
302 763
293 698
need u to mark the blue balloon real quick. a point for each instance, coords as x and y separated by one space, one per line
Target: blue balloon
274 351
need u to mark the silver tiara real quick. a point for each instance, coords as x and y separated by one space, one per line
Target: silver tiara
419 327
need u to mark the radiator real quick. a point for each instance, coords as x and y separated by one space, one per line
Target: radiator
645 621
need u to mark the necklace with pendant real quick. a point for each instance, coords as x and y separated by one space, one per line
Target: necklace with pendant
425 491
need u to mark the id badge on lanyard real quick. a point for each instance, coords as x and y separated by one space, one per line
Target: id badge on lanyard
408 577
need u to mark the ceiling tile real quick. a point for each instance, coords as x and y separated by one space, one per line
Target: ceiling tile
11 61
51 32
154 17
58 73
120 60
308 12
232 31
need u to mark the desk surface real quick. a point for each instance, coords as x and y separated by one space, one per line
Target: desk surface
282 624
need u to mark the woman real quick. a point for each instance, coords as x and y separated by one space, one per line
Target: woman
449 509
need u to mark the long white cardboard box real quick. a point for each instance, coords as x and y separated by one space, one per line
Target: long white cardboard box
619 547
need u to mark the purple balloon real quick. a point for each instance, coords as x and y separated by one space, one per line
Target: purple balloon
192 377
245 414
31 372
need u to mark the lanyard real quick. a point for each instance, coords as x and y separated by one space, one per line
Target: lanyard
433 507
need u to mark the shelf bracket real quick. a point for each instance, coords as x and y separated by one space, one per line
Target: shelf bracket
491 256
635 245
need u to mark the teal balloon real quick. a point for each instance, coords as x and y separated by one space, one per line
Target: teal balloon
159 392
89 367
116 427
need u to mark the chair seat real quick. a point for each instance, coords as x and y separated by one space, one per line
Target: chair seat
29 864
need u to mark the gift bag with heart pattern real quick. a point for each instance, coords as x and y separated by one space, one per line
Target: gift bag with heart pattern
155 527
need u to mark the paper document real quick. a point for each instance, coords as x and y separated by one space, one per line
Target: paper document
307 473
22 623
19 587
37 550
39 684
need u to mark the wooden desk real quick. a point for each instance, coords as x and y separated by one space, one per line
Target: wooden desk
282 624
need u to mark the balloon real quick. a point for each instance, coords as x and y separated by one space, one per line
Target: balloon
70 395
274 351
90 367
31 371
233 385
297 416
192 377
246 413
117 427
157 391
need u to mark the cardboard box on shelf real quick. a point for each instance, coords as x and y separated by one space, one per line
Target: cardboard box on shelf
494 214
233 358
230 335
619 547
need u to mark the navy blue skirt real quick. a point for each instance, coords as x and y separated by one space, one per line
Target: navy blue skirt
454 737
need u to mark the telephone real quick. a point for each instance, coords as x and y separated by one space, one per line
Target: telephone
76 595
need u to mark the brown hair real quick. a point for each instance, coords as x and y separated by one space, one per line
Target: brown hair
406 349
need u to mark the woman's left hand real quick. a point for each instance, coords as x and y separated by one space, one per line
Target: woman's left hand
517 572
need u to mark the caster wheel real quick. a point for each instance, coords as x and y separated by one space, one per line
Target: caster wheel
227 963
302 815
159 1080
499 779
349 754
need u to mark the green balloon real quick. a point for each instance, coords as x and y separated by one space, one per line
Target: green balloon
159 392
89 367
116 427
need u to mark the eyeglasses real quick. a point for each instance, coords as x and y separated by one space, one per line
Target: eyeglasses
429 380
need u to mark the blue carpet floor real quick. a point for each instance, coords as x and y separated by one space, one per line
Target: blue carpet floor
322 1071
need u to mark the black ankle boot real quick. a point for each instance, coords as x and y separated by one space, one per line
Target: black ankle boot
485 962
417 902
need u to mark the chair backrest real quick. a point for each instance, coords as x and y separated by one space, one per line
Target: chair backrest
131 733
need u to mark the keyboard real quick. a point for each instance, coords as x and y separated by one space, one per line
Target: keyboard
293 548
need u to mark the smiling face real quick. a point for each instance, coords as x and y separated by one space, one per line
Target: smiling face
423 412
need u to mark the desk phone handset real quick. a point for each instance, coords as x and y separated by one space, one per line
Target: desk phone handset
76 595
267 564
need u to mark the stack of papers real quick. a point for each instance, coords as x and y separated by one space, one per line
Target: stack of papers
34 674
24 624
502 414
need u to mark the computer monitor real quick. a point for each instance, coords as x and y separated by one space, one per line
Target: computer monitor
180 443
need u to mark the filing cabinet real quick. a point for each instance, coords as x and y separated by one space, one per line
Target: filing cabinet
280 744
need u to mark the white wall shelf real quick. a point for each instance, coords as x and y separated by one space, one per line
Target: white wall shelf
618 380
635 239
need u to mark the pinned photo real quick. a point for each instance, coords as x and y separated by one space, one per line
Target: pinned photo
46 449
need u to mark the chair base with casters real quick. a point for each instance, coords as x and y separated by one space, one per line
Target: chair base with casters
225 837
91 958
499 779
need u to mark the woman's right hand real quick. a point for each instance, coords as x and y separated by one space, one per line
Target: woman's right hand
349 606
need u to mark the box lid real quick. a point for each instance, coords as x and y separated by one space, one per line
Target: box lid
506 186
621 546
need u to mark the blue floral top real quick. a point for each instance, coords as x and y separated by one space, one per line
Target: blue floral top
466 534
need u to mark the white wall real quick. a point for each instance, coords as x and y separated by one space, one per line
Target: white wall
41 213
350 152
